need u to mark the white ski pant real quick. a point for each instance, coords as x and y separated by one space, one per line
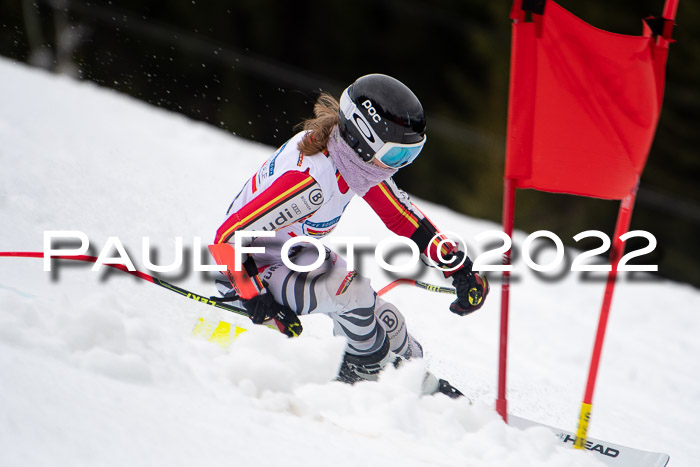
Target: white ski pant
358 314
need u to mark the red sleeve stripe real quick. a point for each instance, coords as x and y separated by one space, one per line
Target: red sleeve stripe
285 187
447 247
436 241
395 215
403 220
342 184
401 210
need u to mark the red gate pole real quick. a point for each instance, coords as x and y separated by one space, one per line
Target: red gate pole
670 9
508 214
623 222
624 216
517 15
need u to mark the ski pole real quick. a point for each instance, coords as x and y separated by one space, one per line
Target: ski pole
202 299
141 275
421 284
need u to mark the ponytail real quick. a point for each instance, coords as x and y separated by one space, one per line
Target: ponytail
320 126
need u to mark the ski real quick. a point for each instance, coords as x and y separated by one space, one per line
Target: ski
221 333
610 454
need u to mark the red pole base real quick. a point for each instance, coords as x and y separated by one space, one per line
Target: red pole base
502 409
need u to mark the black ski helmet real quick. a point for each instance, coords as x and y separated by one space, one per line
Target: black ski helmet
378 109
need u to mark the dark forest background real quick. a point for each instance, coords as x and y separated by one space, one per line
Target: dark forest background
255 67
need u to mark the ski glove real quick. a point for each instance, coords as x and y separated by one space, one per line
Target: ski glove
472 289
263 309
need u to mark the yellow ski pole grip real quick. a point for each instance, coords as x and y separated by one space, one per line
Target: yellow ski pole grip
582 431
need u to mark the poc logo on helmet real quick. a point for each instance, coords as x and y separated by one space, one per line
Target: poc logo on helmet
371 111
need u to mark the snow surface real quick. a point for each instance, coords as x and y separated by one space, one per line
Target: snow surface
101 369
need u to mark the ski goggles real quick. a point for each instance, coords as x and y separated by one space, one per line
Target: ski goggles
394 155
397 155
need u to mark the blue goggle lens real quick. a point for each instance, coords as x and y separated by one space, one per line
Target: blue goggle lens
400 156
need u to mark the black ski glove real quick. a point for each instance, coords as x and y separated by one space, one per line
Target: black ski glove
263 309
472 289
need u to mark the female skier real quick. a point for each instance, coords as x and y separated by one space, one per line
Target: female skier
350 148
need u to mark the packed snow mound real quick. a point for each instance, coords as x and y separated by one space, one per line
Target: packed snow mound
100 368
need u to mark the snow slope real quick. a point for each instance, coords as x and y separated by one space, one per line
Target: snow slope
101 369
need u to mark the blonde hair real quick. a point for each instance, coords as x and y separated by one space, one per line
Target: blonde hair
319 127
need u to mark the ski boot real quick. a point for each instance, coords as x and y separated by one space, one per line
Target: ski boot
356 368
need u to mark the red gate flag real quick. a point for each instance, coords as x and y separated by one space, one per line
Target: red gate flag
582 113
583 106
